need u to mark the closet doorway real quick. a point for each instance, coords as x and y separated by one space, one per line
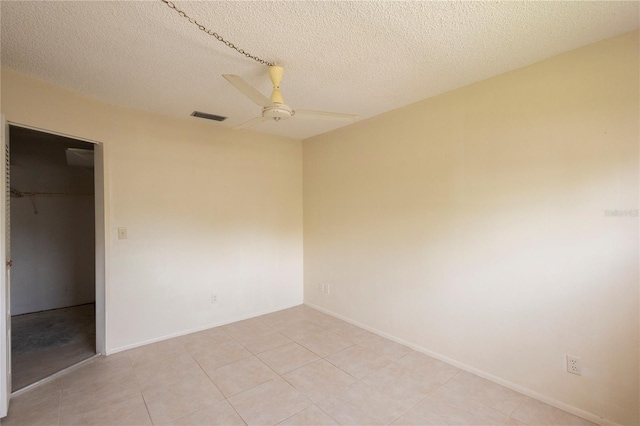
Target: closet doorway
53 273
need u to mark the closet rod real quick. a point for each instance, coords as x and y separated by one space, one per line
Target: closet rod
20 194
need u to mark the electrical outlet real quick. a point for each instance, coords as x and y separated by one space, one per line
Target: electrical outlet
214 298
328 289
574 366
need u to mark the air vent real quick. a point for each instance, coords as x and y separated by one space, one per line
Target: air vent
208 116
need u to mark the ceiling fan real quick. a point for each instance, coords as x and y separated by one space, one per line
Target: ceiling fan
274 108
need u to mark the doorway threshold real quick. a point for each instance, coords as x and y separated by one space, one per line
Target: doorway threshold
56 375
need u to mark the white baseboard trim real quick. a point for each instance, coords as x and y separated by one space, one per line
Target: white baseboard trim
195 330
525 391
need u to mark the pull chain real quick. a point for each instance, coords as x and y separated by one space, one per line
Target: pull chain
214 34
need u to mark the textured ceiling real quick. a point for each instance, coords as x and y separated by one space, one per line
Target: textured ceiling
363 58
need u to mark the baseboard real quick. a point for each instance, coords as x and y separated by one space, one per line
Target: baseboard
195 330
507 384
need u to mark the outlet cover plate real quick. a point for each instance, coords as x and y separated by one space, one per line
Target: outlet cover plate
574 365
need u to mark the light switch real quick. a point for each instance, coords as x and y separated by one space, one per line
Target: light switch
122 233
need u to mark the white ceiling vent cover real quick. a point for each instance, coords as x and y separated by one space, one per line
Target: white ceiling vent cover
77 157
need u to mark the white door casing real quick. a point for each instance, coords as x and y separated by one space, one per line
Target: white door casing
5 250
5 277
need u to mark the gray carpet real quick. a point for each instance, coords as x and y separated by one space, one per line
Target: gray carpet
43 343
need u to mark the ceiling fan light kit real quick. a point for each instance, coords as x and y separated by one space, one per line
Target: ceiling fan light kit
277 112
274 108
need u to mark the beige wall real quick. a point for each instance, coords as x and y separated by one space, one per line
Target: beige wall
473 225
208 210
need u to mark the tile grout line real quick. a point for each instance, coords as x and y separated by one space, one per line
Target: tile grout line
144 400
329 415
421 399
295 414
236 411
515 408
281 376
254 355
448 383
209 378
424 397
341 369
486 405
60 404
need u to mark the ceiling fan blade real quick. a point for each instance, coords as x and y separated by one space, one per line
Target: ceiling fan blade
248 90
321 115
250 123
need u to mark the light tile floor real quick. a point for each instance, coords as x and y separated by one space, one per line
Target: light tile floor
293 367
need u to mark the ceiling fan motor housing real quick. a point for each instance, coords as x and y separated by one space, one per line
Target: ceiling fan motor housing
277 112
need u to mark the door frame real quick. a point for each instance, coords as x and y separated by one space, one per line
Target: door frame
101 249
5 281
